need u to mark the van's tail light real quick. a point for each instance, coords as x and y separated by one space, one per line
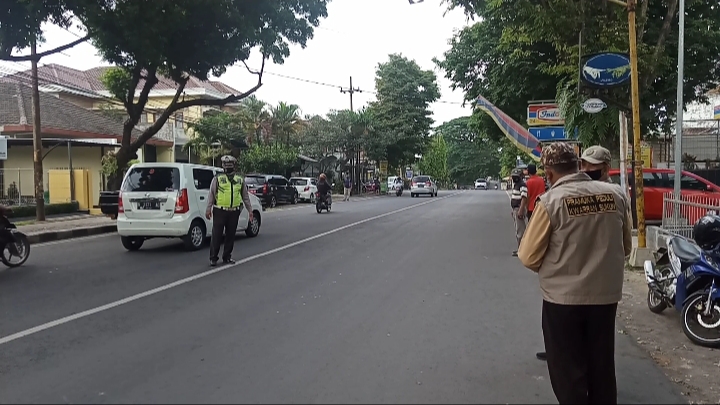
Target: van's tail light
182 204
429 184
121 208
266 189
414 184
307 188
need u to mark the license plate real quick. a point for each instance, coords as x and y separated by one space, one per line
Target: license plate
421 186
148 205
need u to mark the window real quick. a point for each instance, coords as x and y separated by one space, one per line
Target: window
686 182
279 181
421 179
179 119
313 182
299 182
255 180
143 118
652 180
152 179
203 178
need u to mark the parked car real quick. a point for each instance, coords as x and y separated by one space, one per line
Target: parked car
168 200
306 188
480 184
423 185
271 189
657 182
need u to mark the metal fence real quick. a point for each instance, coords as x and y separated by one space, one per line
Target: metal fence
679 216
17 186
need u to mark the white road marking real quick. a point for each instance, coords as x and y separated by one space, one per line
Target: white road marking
178 283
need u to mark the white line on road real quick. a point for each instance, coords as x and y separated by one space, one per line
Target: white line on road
178 283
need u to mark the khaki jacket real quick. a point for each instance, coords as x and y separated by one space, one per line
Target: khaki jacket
577 241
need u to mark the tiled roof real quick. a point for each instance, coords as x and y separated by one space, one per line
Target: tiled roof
89 80
55 114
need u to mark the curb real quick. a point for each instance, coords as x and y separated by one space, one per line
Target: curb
51 236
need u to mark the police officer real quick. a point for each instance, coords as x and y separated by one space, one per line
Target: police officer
595 163
225 202
577 242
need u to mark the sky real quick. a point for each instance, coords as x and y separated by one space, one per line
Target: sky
352 41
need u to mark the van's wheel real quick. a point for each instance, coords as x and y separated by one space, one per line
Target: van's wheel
273 201
132 243
195 237
294 199
253 227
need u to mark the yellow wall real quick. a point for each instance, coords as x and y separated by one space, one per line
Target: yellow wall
165 153
84 102
18 167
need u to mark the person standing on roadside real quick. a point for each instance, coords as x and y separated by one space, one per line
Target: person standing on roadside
595 162
518 203
577 242
226 199
347 184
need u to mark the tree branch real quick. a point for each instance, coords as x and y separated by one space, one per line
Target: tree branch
660 44
24 58
160 122
643 20
150 81
130 95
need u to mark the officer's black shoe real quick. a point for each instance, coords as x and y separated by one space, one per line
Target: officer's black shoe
228 261
541 356
514 253
213 262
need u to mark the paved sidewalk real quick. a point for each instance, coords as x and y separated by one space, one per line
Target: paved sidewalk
74 226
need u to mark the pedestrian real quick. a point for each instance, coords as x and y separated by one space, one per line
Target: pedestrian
577 242
377 185
347 183
595 162
518 204
226 199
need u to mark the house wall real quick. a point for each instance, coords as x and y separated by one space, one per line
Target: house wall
81 101
18 167
165 154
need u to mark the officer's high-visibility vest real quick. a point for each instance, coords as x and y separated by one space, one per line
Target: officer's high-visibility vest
229 194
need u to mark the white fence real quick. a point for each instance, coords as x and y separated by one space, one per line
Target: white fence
679 216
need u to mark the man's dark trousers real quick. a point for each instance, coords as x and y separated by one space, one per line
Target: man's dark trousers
580 346
224 221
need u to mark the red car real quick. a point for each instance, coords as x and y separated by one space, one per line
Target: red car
658 182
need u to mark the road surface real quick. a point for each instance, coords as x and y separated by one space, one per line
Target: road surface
386 300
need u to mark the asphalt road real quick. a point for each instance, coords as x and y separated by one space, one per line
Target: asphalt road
386 300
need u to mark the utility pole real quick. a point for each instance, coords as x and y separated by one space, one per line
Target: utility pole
37 137
356 170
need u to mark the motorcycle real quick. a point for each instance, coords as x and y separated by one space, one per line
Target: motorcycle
686 277
322 203
13 243
398 189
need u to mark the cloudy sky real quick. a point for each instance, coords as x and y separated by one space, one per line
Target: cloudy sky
356 36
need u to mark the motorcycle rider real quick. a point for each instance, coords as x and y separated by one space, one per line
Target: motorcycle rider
324 189
226 199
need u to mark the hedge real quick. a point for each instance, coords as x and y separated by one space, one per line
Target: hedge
24 211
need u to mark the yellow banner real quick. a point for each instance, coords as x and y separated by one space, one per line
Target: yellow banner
383 167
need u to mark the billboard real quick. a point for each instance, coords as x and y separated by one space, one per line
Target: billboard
544 114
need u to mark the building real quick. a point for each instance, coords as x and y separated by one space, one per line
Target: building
73 137
85 89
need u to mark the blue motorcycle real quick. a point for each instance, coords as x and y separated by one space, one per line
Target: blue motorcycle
687 278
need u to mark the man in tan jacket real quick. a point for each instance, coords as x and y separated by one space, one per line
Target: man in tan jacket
577 242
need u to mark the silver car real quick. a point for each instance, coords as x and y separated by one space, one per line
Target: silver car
423 185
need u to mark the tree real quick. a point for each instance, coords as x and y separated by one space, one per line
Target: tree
255 118
274 159
435 160
286 122
184 38
471 154
509 29
402 110
216 135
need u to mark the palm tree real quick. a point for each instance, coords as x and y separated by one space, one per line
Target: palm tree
256 118
286 121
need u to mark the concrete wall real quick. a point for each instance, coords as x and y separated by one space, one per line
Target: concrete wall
18 168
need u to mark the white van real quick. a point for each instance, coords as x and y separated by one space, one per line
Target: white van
168 200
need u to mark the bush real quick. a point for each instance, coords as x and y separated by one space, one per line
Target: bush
25 211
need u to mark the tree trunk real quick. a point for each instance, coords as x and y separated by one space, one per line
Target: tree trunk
122 157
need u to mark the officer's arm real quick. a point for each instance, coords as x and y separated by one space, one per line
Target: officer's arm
627 229
212 194
246 198
536 239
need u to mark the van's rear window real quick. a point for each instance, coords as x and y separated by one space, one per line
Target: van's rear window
152 179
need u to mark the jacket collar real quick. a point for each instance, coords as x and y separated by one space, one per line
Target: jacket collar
572 178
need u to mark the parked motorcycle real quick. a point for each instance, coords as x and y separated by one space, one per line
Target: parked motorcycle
686 277
14 245
322 203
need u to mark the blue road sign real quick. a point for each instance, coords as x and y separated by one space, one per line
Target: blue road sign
551 133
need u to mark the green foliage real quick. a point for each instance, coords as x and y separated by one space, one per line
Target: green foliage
528 50
269 159
117 81
508 157
24 211
109 164
285 121
402 110
255 117
214 135
20 21
471 154
435 160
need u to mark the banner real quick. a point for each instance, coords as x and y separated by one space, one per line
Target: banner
518 134
544 114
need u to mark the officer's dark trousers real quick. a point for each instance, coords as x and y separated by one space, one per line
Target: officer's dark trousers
580 346
223 222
